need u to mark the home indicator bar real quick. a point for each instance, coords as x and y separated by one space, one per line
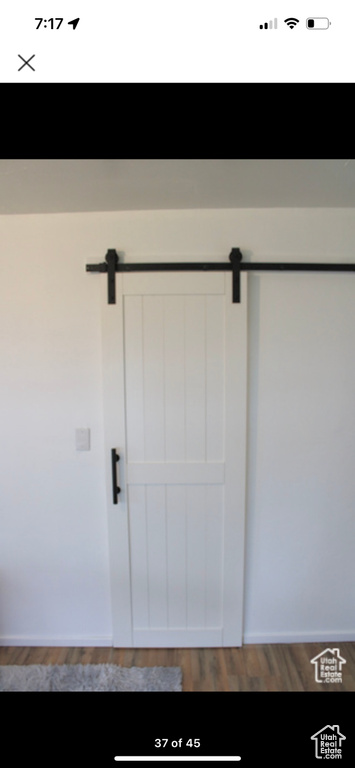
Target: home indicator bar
154 757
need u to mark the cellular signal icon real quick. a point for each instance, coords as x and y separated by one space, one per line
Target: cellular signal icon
269 25
291 22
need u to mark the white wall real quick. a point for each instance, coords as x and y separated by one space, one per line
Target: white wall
300 569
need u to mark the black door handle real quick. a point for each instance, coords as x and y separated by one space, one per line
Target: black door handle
115 489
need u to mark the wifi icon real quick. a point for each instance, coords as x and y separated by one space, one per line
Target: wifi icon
291 22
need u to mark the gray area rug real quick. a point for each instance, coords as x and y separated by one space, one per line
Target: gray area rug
89 677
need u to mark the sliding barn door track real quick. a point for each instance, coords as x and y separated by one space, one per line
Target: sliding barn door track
111 265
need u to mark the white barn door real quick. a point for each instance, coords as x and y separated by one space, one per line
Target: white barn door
175 410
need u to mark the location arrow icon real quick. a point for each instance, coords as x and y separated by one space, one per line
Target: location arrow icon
75 23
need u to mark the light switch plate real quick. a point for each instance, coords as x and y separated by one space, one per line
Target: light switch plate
82 439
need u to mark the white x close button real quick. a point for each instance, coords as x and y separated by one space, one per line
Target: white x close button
26 62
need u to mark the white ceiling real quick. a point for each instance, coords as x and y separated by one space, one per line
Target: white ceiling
59 186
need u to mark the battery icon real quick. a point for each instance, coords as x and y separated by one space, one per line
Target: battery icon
317 23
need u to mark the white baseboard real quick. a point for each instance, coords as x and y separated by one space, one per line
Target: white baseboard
104 641
258 638
91 641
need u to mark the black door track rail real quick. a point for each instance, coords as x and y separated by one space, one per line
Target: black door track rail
235 265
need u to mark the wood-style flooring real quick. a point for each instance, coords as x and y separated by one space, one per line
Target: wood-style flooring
285 667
